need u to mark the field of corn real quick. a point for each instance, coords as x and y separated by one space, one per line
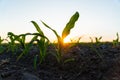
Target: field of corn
40 59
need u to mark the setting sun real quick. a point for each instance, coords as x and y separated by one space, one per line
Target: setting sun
67 40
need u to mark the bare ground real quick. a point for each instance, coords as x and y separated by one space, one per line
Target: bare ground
100 62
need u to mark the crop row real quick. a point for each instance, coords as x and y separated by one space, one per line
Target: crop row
42 41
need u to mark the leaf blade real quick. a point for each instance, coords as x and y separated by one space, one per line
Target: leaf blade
51 29
37 27
70 25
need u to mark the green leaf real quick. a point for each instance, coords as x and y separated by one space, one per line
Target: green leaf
25 51
40 35
37 27
70 25
1 40
2 49
100 38
51 29
117 37
58 37
35 61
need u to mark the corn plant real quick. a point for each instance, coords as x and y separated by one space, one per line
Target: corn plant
97 40
21 39
17 38
75 40
1 47
25 47
42 43
12 45
116 41
28 45
94 48
1 40
91 39
65 33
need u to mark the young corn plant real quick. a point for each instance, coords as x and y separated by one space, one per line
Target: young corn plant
1 46
75 40
42 43
65 33
94 48
28 45
97 40
11 43
21 39
1 40
116 41
17 38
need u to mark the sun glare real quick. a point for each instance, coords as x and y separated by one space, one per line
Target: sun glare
67 40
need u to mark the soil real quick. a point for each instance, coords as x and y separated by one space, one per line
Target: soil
91 62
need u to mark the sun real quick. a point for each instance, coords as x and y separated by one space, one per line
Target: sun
66 40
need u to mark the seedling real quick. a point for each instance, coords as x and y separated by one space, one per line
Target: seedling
94 48
97 40
28 45
91 39
1 47
65 33
17 38
12 45
26 48
116 41
75 40
1 40
42 42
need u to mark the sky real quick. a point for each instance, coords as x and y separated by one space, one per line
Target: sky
97 17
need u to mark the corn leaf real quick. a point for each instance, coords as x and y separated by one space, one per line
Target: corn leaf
70 25
58 37
1 40
35 61
37 27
